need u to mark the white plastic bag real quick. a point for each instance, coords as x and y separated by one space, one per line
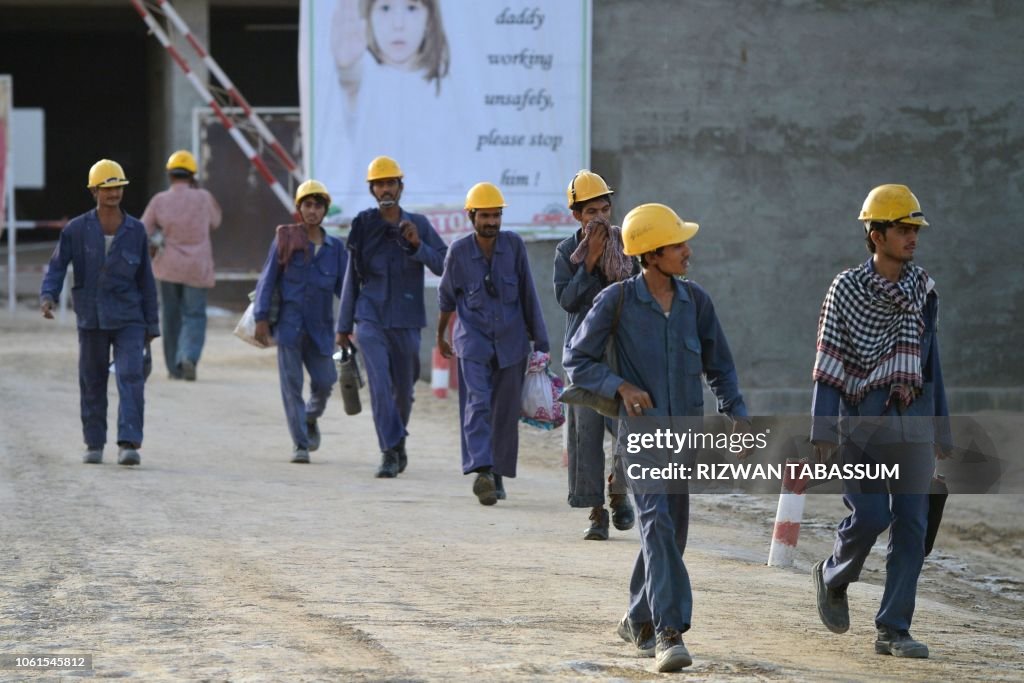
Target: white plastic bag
539 405
246 328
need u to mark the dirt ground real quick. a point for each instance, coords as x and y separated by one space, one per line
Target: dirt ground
218 560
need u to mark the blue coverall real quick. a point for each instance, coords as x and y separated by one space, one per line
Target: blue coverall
115 302
575 290
492 341
664 356
383 295
305 327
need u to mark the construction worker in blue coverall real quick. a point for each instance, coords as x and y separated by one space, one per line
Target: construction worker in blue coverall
487 280
115 302
667 336
305 265
382 300
576 285
878 369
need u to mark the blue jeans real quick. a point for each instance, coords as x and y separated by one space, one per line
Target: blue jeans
586 429
183 317
93 371
322 376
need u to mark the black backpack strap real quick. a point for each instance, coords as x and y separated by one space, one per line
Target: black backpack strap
618 309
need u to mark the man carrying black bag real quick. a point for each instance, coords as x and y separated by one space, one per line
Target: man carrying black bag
877 367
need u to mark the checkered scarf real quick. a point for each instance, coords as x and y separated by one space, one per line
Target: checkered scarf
869 333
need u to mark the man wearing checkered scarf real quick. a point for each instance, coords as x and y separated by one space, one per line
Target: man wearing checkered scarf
878 358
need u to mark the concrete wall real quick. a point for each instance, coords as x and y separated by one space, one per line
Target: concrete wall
768 122
171 86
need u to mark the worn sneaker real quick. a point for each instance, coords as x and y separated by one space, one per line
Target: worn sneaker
300 456
127 455
313 433
388 465
499 488
484 488
403 457
188 370
899 643
669 653
640 636
598 530
93 456
833 608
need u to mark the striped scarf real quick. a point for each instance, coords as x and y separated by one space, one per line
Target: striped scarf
869 333
613 264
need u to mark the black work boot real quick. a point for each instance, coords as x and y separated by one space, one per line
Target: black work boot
598 530
833 608
899 643
499 487
313 433
623 515
484 488
403 457
388 464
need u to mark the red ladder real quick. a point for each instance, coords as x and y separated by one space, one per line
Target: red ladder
218 99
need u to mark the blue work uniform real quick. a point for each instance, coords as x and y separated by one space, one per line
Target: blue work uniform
666 357
873 507
305 326
383 295
575 290
115 302
499 314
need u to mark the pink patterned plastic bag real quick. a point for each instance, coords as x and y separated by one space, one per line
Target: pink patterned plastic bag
541 389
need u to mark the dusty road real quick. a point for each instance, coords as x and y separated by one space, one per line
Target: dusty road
219 560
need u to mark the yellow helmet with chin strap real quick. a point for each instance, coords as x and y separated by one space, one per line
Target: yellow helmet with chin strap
311 187
650 226
106 173
484 196
892 204
381 168
586 185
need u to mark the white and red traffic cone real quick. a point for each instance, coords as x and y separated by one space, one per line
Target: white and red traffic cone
787 519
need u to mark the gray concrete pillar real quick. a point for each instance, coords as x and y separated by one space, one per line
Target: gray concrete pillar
174 96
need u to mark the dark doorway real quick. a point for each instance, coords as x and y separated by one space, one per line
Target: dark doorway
86 68
258 49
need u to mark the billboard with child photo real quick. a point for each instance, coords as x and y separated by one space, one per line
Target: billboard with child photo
457 93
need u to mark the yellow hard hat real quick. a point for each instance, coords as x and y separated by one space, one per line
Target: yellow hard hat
892 204
311 187
650 226
383 167
106 173
484 196
182 159
586 185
